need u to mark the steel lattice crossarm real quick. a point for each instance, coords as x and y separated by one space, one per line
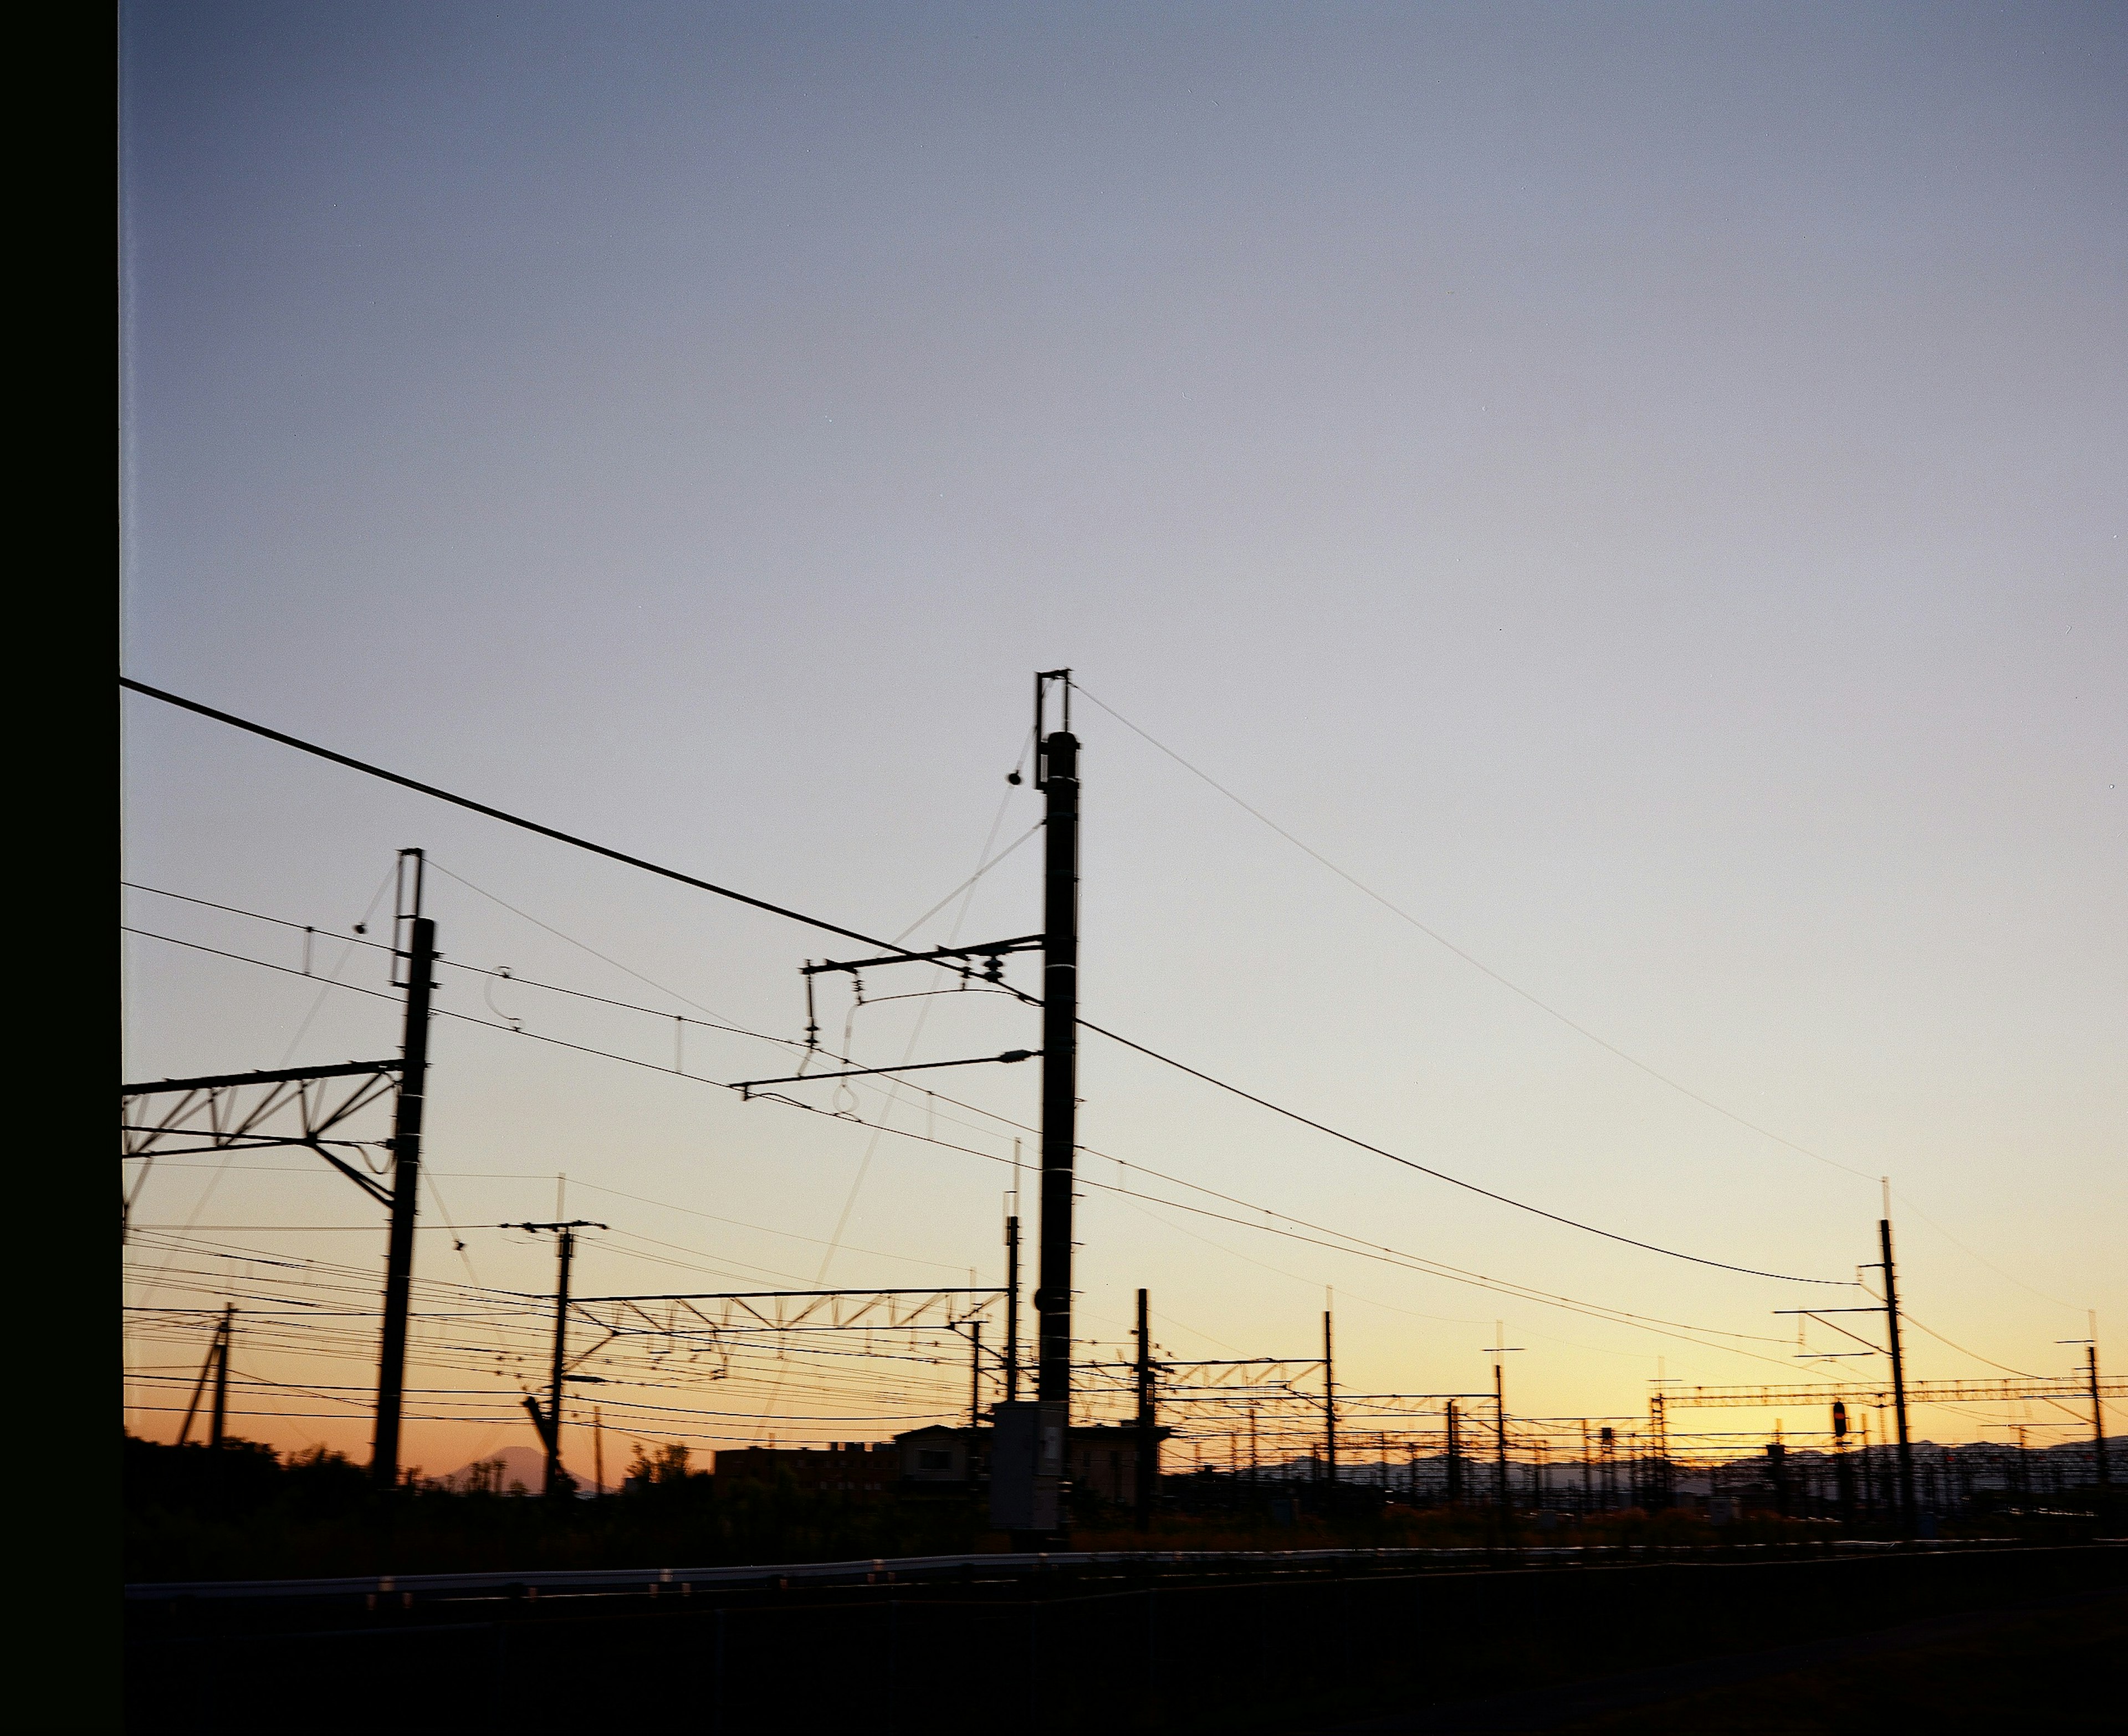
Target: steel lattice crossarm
1918 1392
1354 1408
250 1112
1257 1376
786 1311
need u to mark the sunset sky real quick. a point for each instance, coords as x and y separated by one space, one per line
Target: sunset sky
1637 488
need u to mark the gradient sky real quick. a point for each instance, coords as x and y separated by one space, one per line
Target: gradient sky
1640 487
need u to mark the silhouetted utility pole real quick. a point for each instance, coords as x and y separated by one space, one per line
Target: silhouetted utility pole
548 1421
419 954
2100 1468
974 1383
1455 1459
1587 1472
1056 776
1148 1442
1012 1293
221 1412
1329 1410
1843 1469
1500 1352
1500 1416
2097 1413
1659 1477
215 1369
1898 1371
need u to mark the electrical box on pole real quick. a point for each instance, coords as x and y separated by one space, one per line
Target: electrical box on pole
1027 1467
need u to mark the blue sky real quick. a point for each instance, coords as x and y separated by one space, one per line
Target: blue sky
1638 487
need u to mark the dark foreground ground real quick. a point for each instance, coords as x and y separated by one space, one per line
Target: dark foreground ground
2052 1668
2005 1639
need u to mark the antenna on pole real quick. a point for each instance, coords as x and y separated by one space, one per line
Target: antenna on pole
1042 678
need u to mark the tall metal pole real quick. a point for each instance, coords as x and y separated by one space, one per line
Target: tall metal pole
555 1484
405 1185
1060 1058
975 1383
1455 1459
221 1375
1148 1446
1658 1474
1500 1417
2097 1413
1012 1308
1329 1409
1898 1375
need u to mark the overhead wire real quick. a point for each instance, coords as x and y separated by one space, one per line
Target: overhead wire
966 887
1113 1035
676 874
1365 1251
1469 958
497 813
1454 1181
630 1060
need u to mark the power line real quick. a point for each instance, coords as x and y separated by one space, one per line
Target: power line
673 874
1903 1194
1572 1223
1151 1054
497 813
971 879
1363 1250
1469 958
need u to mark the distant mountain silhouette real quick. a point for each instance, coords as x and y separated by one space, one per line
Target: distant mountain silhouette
527 1465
